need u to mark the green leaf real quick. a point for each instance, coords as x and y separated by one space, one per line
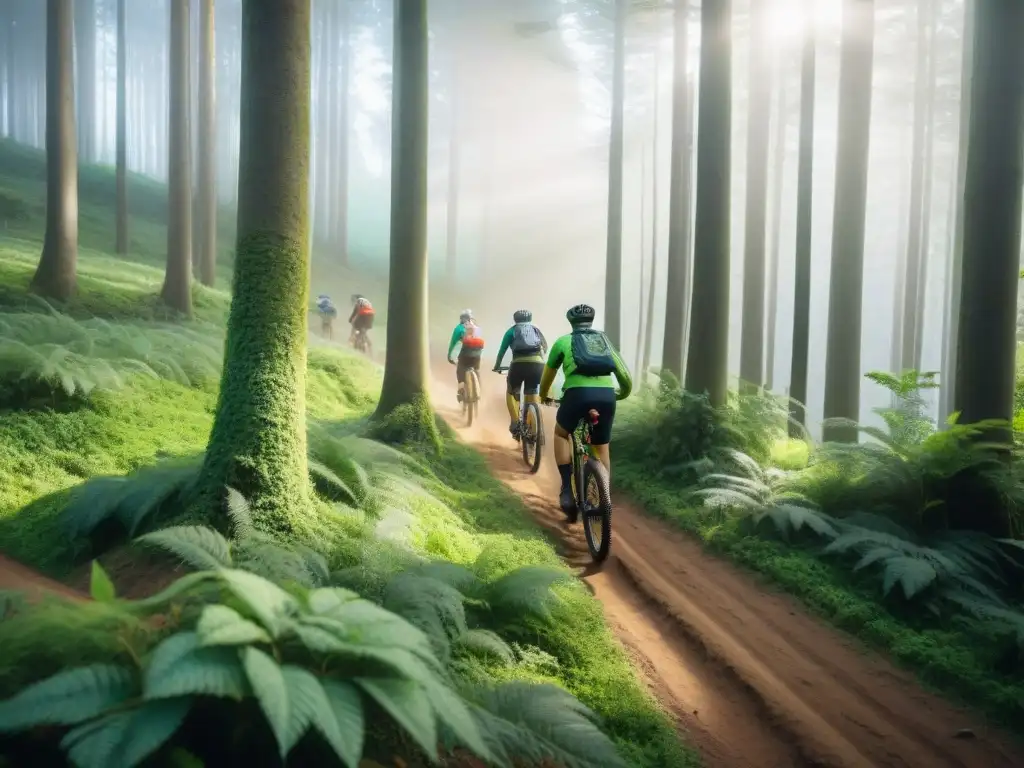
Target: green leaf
270 604
125 739
198 546
327 600
311 707
268 684
913 574
348 711
68 697
179 667
220 625
101 588
456 715
408 705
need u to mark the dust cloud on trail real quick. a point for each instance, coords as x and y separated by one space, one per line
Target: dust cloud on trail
750 679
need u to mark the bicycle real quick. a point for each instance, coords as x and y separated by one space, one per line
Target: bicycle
361 342
594 503
530 437
470 395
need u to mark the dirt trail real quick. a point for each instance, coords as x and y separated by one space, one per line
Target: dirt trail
751 678
15 576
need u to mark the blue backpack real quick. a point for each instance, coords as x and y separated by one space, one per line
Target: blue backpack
592 352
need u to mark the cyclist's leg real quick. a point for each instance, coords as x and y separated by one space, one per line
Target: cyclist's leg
603 399
566 419
461 366
515 381
531 376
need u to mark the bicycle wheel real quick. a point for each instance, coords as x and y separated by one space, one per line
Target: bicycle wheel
597 509
470 396
532 437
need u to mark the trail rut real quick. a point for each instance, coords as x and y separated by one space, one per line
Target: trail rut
745 672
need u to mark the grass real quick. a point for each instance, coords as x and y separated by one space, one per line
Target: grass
950 651
47 452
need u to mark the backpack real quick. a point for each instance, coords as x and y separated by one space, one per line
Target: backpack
525 339
473 338
592 353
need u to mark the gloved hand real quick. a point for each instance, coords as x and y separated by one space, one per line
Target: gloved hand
451 361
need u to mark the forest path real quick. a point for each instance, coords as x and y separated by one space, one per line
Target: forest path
750 678
17 577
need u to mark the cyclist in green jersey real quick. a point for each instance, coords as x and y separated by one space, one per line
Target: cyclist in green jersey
591 366
467 333
528 347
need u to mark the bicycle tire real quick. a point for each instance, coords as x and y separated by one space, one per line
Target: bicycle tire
594 471
538 438
470 396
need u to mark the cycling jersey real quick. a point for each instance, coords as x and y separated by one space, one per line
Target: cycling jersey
468 334
363 308
560 356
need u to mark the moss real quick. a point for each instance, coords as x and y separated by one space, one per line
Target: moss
258 442
412 424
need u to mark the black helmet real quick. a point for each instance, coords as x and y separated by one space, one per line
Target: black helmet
581 314
522 316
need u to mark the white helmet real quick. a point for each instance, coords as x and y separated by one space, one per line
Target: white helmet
467 314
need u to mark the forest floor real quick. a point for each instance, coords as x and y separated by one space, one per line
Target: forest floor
749 676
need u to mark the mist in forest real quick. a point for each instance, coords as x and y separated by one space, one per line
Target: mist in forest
520 125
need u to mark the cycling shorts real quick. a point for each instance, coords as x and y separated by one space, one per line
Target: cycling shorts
577 401
464 363
526 375
362 322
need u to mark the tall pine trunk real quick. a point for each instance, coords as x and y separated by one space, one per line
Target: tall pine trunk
177 290
677 296
928 184
778 173
341 129
842 356
121 140
804 221
405 369
454 169
207 171
707 368
756 219
645 362
86 87
258 442
56 276
613 264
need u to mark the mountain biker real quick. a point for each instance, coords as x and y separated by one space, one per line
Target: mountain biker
467 332
589 362
528 347
325 307
361 318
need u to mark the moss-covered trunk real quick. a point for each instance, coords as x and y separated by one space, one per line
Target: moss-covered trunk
707 366
845 306
258 442
56 276
804 211
207 171
121 140
405 369
177 290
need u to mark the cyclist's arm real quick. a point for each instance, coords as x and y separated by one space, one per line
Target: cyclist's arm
547 378
543 342
622 376
457 335
355 311
505 341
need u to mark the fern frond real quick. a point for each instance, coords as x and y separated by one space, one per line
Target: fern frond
197 546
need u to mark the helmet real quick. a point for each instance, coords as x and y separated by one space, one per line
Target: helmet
467 314
356 297
522 316
322 297
581 314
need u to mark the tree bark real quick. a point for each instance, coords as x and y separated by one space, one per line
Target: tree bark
405 369
778 173
708 356
638 357
207 181
613 265
986 345
926 197
454 169
258 442
56 276
677 296
177 290
645 363
842 356
341 130
86 35
121 141
756 219
804 221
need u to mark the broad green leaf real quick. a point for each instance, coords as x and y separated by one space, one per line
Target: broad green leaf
68 697
125 739
268 684
220 625
269 603
456 715
311 707
409 706
326 600
101 588
348 711
175 590
180 667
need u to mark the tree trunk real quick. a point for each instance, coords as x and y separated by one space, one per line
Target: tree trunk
707 367
452 212
405 369
258 442
177 290
926 198
758 124
207 172
86 35
121 142
913 289
643 255
804 221
778 172
677 296
986 345
645 363
842 356
56 275
613 266
341 130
